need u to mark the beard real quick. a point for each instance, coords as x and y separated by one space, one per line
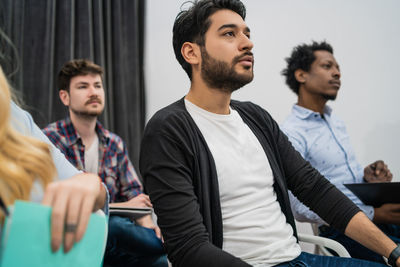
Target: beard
218 74
87 113
329 97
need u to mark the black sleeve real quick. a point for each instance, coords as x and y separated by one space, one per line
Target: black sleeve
310 187
166 164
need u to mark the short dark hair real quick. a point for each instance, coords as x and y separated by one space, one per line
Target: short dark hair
74 68
192 24
301 58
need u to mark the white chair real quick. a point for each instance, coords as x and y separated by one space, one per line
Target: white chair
322 243
319 249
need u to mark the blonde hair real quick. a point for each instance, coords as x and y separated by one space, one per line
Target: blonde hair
23 159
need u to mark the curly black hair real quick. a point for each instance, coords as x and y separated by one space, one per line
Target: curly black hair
301 58
192 24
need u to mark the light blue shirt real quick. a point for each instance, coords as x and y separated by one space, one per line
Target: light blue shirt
22 121
324 142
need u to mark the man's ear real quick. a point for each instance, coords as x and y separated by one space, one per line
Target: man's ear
64 97
300 75
191 53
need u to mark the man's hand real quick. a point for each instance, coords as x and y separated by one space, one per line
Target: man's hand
387 213
140 201
377 172
72 201
147 221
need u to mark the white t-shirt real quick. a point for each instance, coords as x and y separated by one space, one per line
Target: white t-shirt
254 226
92 156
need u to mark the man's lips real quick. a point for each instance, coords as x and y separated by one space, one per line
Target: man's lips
246 60
336 83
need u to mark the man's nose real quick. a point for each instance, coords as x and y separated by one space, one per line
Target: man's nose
92 90
246 43
336 73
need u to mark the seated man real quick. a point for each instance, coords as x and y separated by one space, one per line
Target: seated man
321 138
218 170
90 147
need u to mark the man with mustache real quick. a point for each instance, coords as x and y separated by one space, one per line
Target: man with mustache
313 73
90 147
218 170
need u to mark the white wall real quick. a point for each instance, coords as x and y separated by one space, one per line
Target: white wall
365 35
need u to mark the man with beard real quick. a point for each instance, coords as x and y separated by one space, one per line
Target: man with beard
321 138
90 147
218 170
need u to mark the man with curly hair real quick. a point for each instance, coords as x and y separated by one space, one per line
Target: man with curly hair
313 73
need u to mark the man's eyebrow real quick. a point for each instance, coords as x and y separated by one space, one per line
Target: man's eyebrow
247 29
227 26
331 61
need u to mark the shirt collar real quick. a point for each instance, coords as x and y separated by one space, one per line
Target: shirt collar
102 133
73 135
304 113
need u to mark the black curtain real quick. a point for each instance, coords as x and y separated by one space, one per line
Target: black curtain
47 33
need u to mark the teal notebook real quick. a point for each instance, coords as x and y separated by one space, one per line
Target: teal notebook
26 240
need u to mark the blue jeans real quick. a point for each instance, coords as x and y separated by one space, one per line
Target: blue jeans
310 260
129 244
357 250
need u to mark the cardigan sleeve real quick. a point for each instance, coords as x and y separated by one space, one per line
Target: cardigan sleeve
309 186
167 165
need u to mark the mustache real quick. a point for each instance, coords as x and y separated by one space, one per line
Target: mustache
93 99
245 54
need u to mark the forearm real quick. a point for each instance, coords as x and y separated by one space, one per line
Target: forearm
125 204
118 204
361 229
368 210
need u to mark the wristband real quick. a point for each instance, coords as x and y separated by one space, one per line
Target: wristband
394 256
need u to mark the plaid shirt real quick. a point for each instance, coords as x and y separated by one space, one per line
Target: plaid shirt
115 168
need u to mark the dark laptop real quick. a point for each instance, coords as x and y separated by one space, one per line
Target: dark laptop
376 194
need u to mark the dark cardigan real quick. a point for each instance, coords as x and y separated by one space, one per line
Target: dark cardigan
180 175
